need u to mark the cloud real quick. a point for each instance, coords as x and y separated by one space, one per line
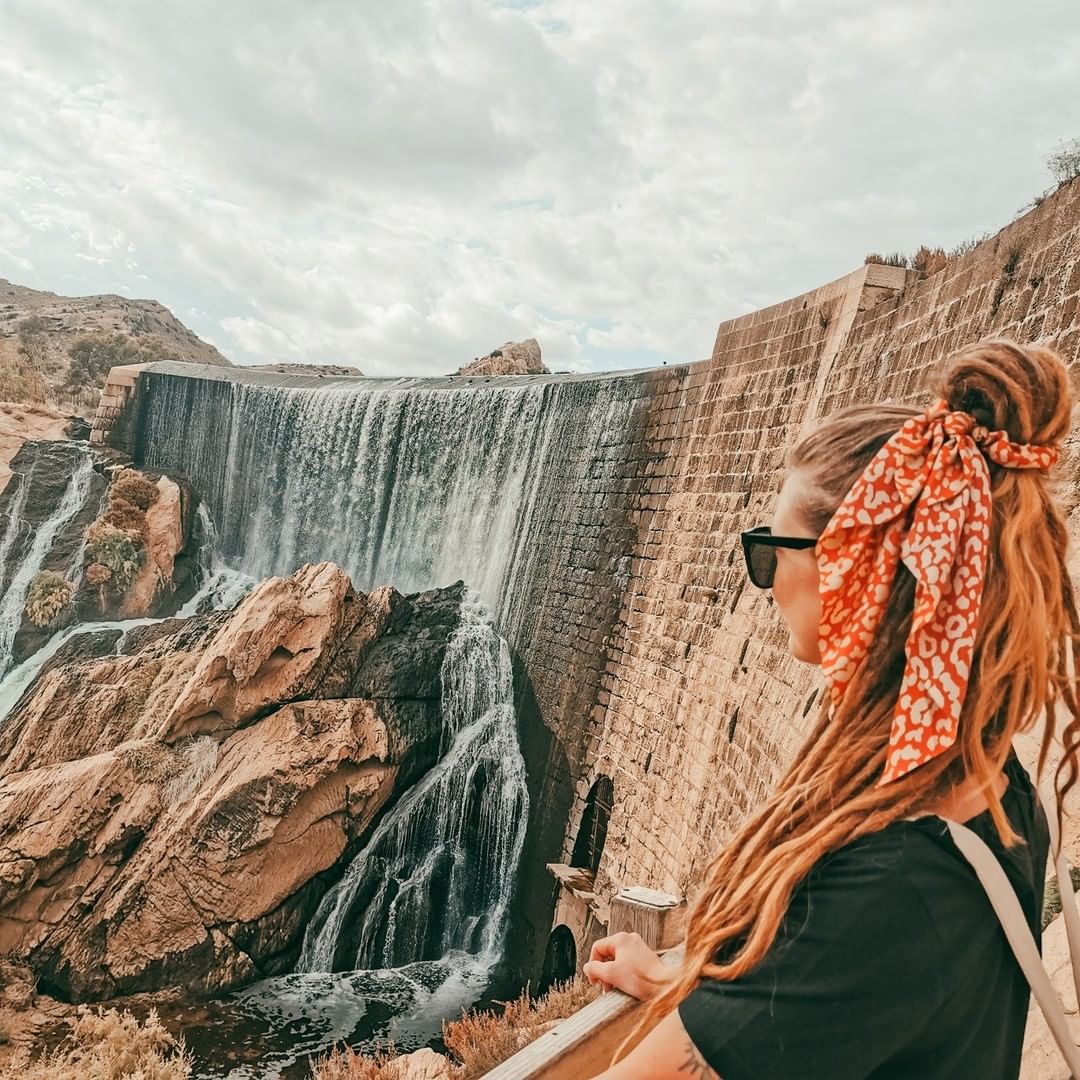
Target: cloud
403 186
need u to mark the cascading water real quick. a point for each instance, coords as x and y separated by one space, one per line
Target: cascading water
221 588
413 483
13 599
435 878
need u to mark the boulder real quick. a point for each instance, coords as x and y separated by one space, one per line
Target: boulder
174 814
510 358
422 1064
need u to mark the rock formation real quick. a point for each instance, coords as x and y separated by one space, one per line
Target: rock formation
510 358
51 498
64 319
172 813
20 423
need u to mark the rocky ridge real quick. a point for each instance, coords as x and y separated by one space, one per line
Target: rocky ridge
510 358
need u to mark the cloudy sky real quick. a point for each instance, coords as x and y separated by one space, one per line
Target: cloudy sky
404 184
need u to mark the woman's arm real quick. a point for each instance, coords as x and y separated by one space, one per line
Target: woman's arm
624 961
666 1053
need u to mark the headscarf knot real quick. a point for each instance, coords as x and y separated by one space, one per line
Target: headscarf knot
924 500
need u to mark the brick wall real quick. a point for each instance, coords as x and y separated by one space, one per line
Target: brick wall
702 708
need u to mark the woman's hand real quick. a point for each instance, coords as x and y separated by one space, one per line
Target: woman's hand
624 962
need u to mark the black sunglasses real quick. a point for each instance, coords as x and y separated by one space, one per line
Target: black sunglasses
759 548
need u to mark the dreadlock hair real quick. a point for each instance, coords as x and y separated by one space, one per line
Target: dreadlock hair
1024 668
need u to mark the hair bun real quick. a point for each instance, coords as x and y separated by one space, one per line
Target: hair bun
1020 389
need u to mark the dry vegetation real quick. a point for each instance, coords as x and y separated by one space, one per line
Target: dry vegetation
107 1045
479 1041
115 542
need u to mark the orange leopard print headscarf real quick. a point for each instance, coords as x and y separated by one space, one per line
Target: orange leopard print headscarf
925 500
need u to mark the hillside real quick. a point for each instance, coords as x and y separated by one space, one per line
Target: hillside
39 329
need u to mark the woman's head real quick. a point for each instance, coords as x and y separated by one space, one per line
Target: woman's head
822 467
1025 653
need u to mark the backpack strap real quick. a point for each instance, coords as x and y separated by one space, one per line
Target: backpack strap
1011 916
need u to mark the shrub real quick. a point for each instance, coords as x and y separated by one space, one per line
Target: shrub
125 516
108 1045
929 260
480 1040
1064 163
968 245
98 574
48 595
20 380
347 1064
135 489
116 549
93 355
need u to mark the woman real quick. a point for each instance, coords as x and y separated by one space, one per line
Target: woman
920 559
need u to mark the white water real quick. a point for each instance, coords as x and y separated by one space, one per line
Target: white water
14 524
398 482
434 881
14 597
221 589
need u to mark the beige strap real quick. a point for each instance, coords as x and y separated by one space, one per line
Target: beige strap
1069 910
1007 907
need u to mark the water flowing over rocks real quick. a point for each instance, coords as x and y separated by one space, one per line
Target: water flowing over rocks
54 492
172 813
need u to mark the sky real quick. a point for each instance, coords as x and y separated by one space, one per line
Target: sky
402 185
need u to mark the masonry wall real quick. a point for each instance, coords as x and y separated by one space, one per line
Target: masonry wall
702 708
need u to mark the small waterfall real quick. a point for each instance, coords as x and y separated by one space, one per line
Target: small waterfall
13 599
435 878
221 589
13 526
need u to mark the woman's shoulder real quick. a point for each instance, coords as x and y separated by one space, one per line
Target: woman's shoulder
918 859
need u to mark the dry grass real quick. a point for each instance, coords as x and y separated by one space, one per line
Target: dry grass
346 1064
107 1045
929 260
482 1040
895 258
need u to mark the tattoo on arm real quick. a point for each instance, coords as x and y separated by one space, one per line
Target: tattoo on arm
694 1064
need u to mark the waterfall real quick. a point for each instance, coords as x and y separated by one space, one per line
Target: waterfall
13 525
413 483
435 878
13 599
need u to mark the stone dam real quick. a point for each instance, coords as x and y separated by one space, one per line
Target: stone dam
598 517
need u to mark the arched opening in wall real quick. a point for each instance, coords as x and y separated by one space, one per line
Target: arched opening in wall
589 843
560 959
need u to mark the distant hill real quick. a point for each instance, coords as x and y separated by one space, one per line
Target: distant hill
57 348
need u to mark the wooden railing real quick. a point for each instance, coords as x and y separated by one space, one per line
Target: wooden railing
578 1047
581 1046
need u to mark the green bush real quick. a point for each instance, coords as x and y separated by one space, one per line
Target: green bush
118 550
49 594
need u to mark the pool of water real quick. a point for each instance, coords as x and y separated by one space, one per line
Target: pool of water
272 1029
